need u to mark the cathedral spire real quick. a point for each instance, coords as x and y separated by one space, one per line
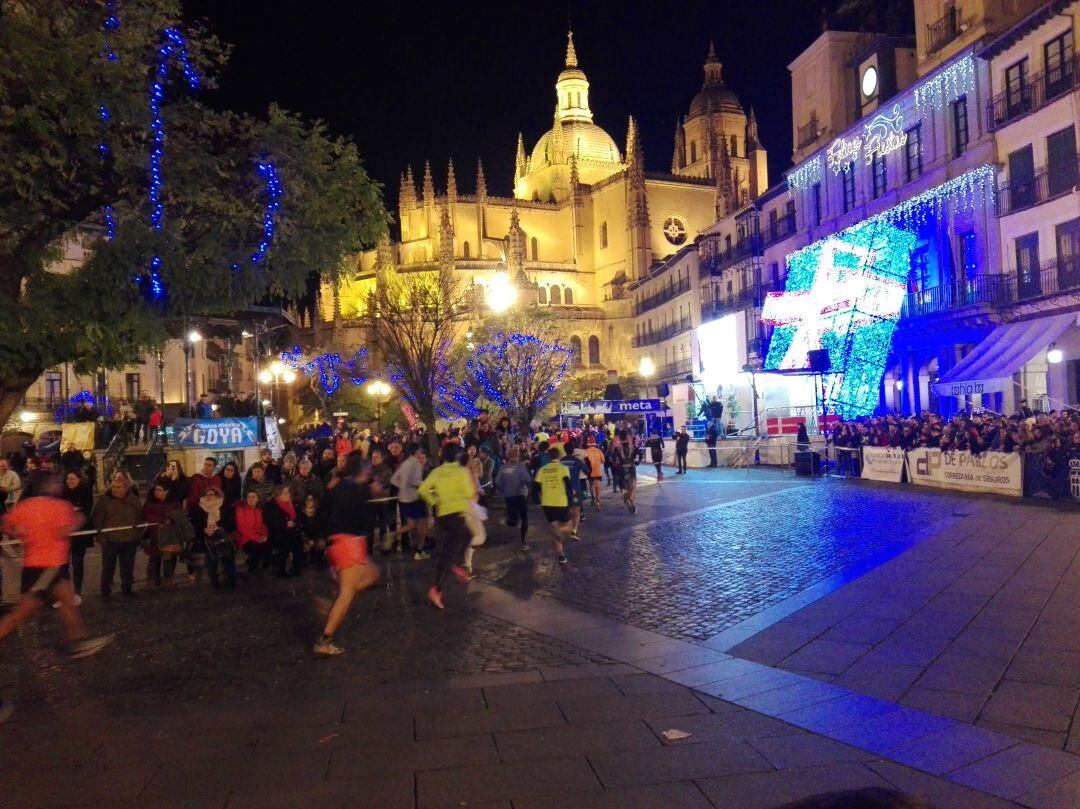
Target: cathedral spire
520 164
751 132
451 183
408 189
481 182
676 152
571 54
713 67
635 158
631 137
429 185
446 240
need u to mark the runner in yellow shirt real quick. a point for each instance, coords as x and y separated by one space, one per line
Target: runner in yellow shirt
555 494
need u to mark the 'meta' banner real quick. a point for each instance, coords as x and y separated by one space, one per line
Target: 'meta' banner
992 472
883 463
216 433
606 407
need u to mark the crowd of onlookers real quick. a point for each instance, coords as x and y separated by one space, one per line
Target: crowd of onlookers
1049 436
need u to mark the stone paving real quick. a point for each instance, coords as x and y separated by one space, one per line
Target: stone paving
541 697
980 622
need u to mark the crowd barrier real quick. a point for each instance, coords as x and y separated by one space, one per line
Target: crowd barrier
1012 474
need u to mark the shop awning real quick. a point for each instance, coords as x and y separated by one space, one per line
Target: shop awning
990 365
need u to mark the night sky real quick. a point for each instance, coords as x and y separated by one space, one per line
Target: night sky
409 82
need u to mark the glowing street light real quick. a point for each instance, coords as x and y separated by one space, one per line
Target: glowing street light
266 377
1054 355
26 417
194 336
646 367
502 294
378 390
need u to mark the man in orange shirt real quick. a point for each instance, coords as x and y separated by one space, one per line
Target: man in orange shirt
595 456
42 523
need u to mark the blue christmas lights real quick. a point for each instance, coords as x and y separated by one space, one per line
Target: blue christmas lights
805 175
329 367
506 367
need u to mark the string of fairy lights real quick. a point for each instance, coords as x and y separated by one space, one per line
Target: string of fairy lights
173 49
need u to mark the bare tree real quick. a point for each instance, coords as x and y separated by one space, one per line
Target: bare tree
412 320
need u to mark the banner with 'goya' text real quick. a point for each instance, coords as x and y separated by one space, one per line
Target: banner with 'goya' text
216 433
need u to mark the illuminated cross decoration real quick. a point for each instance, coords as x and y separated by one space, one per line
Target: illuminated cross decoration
844 295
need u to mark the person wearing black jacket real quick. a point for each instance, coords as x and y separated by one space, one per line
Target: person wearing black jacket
710 442
682 447
77 492
282 524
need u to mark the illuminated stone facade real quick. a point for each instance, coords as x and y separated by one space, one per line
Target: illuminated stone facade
586 218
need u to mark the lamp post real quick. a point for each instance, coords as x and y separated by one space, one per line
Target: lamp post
379 390
190 339
276 373
750 369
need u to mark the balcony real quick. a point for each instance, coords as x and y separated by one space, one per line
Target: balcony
674 370
663 296
1061 274
718 262
943 31
808 133
989 290
1048 183
1038 91
743 299
664 333
780 229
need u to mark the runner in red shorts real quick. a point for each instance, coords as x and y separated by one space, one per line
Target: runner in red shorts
43 523
350 518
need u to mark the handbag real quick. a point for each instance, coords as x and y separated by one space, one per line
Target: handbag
219 544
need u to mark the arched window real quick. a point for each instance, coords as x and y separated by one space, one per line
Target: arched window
734 147
568 296
556 295
465 249
575 349
543 295
594 350
693 151
535 249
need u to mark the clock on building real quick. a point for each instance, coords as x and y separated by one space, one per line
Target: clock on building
869 81
675 230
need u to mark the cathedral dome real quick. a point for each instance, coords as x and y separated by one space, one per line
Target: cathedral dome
714 96
584 139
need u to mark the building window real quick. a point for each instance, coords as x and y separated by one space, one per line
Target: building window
54 388
556 295
543 295
847 178
1027 264
1017 93
960 125
1058 56
1021 178
734 146
131 386
594 350
1068 254
881 175
968 256
575 349
535 249
815 205
465 249
603 234
913 152
693 151
568 296
1061 161
774 275
919 272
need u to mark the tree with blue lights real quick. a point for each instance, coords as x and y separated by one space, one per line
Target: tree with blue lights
183 209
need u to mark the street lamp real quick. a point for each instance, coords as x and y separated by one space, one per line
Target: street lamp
502 294
646 367
1054 355
190 339
379 390
277 372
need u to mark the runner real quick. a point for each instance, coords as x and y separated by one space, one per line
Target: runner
626 460
514 481
449 490
43 524
597 462
576 468
555 497
407 478
349 521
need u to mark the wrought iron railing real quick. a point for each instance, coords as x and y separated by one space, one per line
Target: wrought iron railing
663 296
780 229
674 370
989 290
1056 275
1038 91
1048 182
115 454
663 333
944 30
808 132
716 263
745 298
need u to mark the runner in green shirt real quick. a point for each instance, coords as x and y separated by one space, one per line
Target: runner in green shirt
555 495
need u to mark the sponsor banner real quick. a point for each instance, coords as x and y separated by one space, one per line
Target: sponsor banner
273 438
605 407
991 472
410 415
883 463
81 434
216 433
972 387
1071 477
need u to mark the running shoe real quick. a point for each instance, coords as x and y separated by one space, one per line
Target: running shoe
633 508
90 646
461 573
574 536
524 547
563 560
420 556
434 595
327 648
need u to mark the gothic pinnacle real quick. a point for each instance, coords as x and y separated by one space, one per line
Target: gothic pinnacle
571 54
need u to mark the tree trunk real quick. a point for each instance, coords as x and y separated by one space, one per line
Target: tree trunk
432 440
12 390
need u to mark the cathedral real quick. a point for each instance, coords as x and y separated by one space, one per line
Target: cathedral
585 223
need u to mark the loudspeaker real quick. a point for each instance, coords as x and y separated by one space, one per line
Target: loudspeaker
663 390
819 360
807 463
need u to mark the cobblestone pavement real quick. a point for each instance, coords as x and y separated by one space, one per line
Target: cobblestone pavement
691 577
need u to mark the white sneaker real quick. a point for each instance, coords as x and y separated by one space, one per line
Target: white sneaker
327 648
90 646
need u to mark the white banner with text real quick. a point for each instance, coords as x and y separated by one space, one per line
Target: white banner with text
991 472
883 463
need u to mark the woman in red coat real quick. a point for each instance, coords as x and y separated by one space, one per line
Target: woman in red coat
251 535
